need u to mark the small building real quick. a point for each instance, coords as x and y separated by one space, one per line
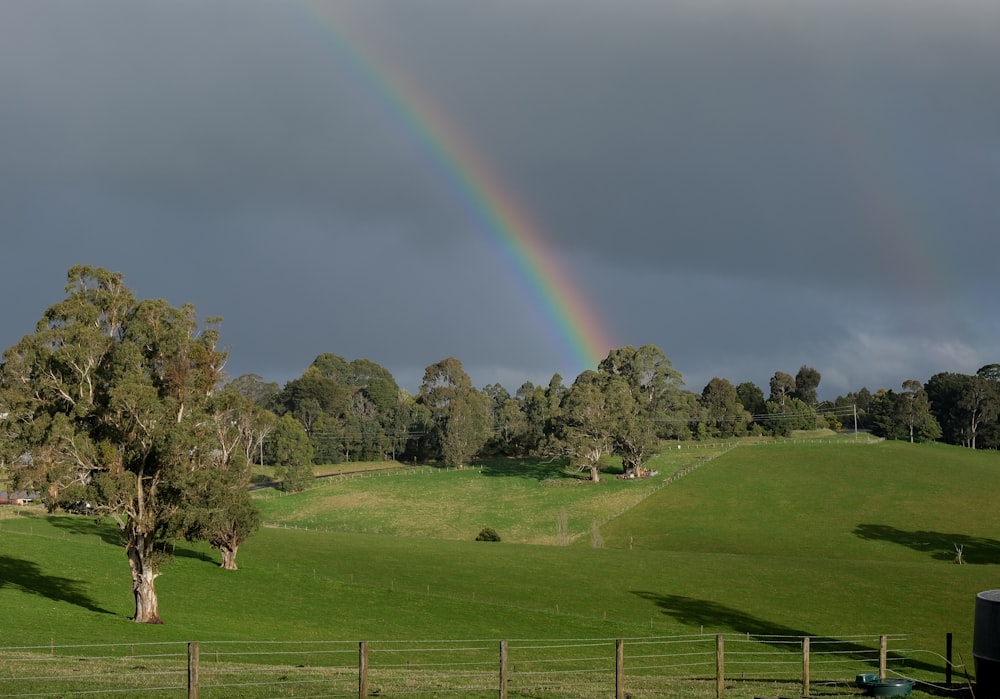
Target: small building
17 497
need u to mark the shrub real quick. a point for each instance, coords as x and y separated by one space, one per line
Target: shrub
488 534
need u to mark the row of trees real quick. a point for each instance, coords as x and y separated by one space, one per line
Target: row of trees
347 410
961 409
629 406
120 407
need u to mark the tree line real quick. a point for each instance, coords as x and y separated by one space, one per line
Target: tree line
120 407
960 409
629 407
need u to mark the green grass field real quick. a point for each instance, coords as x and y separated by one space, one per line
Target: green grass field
824 538
524 500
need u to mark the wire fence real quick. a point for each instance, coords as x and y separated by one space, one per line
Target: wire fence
701 666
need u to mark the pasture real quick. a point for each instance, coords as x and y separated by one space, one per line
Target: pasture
829 538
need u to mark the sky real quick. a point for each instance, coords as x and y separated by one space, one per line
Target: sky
752 186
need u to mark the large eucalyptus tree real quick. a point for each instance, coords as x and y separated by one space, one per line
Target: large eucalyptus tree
459 412
651 400
589 418
914 410
219 508
963 404
109 402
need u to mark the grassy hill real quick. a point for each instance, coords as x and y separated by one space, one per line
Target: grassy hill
524 500
826 538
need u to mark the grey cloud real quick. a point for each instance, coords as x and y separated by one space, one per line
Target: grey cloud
750 186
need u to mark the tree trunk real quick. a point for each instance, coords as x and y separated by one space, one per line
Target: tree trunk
143 577
228 557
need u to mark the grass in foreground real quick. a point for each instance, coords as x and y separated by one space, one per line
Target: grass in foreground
788 539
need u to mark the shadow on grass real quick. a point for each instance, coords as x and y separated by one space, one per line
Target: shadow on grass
940 546
696 612
79 525
28 577
192 554
540 469
84 525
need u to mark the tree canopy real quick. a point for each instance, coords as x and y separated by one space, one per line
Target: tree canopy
110 401
460 414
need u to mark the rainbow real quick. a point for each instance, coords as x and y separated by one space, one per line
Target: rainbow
564 310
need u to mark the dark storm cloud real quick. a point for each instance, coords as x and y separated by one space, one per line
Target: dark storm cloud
750 186
674 129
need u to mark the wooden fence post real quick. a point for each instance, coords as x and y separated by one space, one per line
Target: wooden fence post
883 645
503 669
619 669
363 670
805 666
193 661
720 666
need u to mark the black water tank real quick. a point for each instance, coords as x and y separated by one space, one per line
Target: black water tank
986 645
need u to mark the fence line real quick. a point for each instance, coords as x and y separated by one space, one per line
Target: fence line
705 665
